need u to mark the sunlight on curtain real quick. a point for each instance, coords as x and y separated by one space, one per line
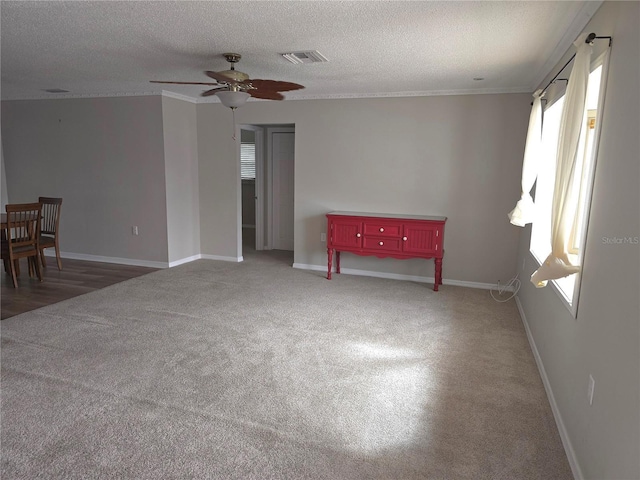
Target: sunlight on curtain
557 264
541 229
523 212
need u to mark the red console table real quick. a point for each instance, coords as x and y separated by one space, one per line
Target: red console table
385 235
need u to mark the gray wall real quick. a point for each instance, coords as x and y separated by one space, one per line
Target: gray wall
458 156
604 338
181 175
219 181
3 188
105 157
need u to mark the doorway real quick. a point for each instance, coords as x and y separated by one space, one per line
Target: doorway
267 161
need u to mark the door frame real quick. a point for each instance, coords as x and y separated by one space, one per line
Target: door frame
272 170
259 183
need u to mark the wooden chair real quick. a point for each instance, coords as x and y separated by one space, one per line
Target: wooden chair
22 239
49 229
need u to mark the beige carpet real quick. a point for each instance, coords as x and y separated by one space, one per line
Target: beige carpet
258 371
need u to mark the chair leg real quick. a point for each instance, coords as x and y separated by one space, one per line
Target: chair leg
58 255
44 262
12 267
36 263
7 268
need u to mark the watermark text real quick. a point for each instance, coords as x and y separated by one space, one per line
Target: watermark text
621 240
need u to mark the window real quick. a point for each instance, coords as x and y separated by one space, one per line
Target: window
247 161
540 246
584 158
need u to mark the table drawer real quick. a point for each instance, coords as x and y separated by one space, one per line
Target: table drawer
382 244
383 229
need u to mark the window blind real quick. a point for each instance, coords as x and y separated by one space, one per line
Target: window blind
248 161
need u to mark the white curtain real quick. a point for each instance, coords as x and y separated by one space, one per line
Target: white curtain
523 212
557 264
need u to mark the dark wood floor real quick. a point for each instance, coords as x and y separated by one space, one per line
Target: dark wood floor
76 278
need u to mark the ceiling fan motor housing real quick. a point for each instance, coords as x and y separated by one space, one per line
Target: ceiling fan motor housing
235 75
232 57
232 73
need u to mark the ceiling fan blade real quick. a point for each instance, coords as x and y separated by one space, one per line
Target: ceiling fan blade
182 83
208 93
274 85
218 76
267 95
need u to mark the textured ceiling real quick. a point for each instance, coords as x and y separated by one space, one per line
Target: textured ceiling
375 48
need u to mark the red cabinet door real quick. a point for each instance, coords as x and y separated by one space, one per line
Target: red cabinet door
421 239
345 233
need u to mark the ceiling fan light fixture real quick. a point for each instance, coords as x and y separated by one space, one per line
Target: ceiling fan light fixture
231 99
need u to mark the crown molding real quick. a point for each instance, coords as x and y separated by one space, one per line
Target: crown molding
578 24
59 96
179 96
334 96
423 93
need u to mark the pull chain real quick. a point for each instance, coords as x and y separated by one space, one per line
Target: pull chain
233 113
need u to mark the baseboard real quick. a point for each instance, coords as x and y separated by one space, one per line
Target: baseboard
140 263
100 258
398 276
479 285
224 259
564 436
205 257
182 261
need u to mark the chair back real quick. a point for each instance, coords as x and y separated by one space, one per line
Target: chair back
23 225
50 215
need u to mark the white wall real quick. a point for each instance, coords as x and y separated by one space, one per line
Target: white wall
603 340
457 156
105 158
181 176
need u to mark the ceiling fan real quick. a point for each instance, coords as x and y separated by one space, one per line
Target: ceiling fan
235 87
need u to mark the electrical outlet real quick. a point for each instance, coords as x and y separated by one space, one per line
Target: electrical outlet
590 389
134 230
323 237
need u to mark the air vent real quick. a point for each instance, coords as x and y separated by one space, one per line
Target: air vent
56 90
312 56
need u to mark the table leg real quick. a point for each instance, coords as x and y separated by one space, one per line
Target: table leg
337 261
438 275
329 262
